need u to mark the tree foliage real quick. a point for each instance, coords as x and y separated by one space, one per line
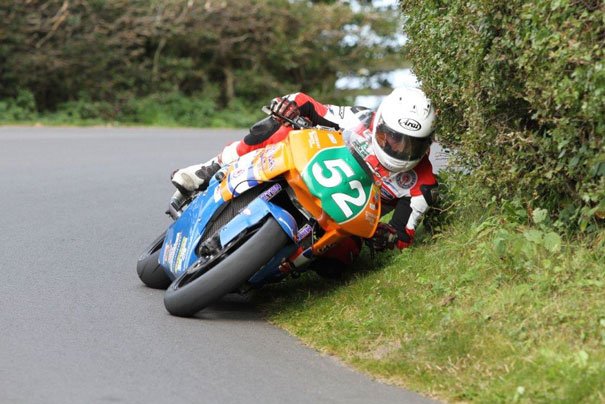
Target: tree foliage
66 50
521 86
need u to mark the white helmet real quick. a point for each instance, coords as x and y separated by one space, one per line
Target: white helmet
402 129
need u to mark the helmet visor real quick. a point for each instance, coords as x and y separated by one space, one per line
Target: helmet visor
399 145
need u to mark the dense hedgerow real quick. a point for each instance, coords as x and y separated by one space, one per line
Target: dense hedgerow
521 88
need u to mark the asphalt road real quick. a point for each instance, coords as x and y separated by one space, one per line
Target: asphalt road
78 206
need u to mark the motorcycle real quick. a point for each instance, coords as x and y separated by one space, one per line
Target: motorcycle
296 198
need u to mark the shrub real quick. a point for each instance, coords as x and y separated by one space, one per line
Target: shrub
520 87
111 51
22 107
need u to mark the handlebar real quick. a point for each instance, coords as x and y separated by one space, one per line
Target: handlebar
297 123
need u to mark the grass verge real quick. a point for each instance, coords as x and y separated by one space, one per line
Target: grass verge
165 110
495 312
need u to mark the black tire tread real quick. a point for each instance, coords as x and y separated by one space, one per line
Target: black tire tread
228 274
150 272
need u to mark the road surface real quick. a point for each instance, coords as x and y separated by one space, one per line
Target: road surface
78 206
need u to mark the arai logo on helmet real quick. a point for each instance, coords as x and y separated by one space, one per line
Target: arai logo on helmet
410 124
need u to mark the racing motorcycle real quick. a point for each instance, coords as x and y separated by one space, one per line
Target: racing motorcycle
298 197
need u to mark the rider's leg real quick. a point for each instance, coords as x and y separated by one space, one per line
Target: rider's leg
196 177
334 262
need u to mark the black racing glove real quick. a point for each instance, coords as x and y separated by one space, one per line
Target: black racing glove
387 237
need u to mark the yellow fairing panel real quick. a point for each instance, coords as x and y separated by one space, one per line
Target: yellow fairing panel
312 160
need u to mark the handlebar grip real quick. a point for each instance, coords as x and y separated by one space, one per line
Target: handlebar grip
297 123
302 122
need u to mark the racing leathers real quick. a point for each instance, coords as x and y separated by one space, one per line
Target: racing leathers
408 194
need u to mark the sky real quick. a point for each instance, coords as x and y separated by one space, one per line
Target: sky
397 78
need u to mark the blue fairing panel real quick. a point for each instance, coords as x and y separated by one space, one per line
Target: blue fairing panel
270 272
256 211
178 251
183 236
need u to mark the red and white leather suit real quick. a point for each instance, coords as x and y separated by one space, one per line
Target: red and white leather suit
408 193
356 125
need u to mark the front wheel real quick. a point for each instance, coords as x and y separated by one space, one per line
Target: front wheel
149 269
206 282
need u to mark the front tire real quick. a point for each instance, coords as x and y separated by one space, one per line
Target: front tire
191 292
149 269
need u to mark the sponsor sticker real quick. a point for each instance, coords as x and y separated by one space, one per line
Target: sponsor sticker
171 249
361 148
314 141
371 217
407 179
166 254
386 194
181 255
268 162
271 192
410 124
238 172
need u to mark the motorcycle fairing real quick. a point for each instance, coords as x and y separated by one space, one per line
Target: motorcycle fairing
254 168
290 158
178 251
183 236
328 202
339 182
253 214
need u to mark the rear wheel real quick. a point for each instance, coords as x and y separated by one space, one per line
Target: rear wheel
206 281
148 267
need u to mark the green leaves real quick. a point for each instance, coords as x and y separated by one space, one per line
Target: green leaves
552 242
520 87
533 236
539 215
116 51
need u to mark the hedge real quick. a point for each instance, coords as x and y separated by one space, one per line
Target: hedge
520 86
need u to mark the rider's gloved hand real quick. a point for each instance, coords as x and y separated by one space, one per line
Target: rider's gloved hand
387 237
284 107
194 178
406 238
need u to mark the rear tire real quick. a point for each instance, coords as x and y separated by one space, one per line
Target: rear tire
149 269
191 292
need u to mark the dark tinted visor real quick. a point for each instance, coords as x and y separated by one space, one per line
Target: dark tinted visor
400 146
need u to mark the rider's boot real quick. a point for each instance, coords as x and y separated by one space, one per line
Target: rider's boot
194 178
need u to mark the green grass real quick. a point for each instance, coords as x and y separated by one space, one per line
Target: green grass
166 110
485 311
490 313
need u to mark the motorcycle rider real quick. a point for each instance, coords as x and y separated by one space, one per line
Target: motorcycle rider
393 141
